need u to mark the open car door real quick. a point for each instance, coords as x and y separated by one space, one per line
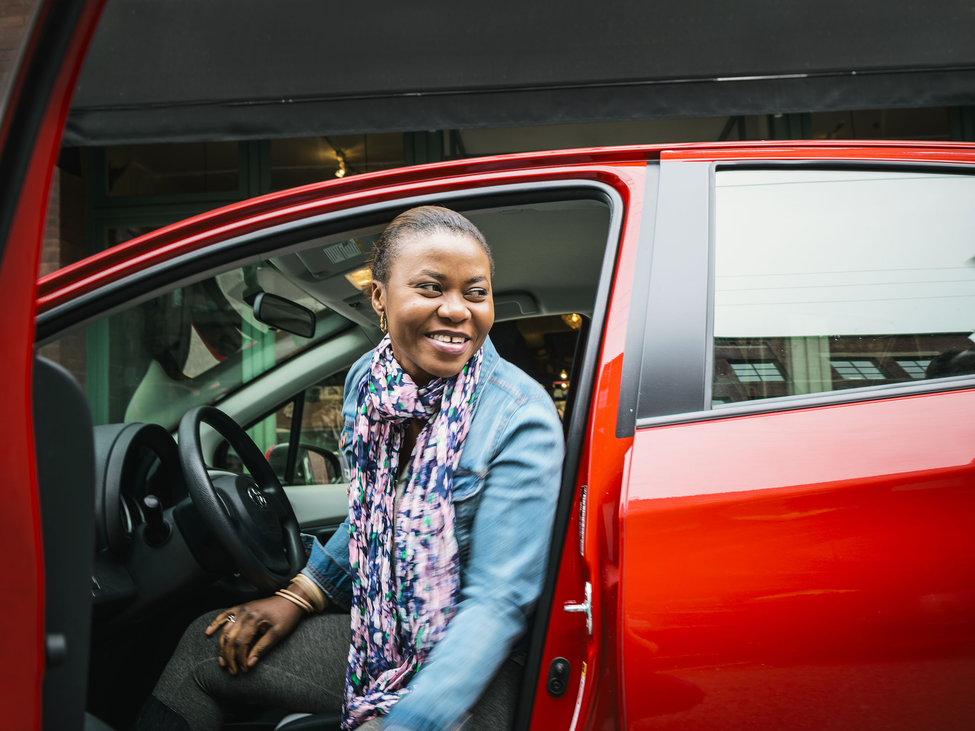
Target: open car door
33 113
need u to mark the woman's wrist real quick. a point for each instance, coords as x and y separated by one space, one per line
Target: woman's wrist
307 590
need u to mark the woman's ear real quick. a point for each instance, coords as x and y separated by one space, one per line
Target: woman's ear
378 297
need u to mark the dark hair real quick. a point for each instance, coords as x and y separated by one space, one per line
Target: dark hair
421 221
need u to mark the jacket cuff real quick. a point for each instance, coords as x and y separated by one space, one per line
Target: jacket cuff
325 572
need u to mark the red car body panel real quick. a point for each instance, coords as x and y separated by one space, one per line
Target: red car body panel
22 591
765 571
806 569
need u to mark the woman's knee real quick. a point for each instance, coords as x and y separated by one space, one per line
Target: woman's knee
195 645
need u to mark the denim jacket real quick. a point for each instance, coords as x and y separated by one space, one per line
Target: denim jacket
505 490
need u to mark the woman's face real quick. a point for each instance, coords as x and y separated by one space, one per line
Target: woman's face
438 303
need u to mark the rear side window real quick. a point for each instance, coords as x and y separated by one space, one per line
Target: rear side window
830 280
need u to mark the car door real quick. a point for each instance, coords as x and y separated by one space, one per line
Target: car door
797 549
572 219
35 107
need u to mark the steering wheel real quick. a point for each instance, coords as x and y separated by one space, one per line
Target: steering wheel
249 514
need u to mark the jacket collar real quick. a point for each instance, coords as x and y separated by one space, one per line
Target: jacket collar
489 362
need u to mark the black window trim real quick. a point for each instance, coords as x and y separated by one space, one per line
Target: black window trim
673 377
704 411
636 326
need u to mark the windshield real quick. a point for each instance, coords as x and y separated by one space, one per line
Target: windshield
192 345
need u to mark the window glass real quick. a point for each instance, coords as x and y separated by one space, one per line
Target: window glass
827 280
192 345
317 461
306 160
167 169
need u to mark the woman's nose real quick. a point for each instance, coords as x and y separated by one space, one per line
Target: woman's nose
454 309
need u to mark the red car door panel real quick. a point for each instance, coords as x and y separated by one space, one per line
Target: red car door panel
30 134
804 569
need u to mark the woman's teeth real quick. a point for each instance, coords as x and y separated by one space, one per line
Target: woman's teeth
447 338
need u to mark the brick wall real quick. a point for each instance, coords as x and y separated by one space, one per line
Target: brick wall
65 234
14 17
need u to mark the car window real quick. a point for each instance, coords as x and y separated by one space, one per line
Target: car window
195 344
316 458
830 280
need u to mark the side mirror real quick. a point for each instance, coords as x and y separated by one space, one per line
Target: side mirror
314 466
283 314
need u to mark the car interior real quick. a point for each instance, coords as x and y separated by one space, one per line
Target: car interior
143 377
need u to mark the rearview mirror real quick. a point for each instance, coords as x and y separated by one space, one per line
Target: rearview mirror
283 314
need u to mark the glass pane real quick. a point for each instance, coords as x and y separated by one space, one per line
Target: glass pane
166 169
827 280
317 460
306 160
321 422
190 346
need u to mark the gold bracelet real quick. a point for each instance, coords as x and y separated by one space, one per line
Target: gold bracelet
315 595
294 599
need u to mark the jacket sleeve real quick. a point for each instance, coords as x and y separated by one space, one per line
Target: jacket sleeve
328 565
503 578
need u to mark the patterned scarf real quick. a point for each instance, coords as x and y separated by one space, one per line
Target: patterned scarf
401 607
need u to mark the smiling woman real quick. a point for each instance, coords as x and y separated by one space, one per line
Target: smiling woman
438 429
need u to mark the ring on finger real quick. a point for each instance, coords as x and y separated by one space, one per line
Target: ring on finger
231 618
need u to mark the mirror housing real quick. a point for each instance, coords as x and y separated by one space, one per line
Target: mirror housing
283 314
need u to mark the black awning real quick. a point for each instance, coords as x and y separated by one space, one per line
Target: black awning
172 70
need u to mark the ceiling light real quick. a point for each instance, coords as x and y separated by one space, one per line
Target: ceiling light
563 375
340 173
574 321
360 278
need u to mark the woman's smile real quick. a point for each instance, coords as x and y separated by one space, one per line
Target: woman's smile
447 342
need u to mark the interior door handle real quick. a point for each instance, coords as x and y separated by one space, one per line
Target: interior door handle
586 607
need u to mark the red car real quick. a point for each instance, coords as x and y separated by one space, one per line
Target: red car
762 354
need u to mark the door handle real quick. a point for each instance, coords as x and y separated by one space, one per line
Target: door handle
586 607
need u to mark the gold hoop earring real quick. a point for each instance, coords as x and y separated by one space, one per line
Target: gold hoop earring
383 325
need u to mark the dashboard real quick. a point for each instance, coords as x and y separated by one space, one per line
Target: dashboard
133 571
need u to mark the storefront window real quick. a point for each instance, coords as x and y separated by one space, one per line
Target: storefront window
172 169
306 160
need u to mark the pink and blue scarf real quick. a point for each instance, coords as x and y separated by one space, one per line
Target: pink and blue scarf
404 591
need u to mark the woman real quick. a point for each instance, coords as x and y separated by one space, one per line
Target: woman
454 458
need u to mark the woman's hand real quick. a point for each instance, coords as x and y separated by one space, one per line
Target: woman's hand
249 630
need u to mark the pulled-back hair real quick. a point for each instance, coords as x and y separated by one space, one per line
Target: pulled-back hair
422 221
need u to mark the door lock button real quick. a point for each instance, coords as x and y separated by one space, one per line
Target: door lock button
558 677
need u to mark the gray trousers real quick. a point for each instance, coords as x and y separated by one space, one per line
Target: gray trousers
305 673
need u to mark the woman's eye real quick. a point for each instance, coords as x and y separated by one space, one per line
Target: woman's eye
430 287
477 294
